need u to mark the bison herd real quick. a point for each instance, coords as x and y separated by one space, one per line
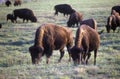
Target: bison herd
51 37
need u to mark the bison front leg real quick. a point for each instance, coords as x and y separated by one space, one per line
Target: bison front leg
61 55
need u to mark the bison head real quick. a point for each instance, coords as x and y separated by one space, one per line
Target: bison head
69 24
33 19
75 54
36 54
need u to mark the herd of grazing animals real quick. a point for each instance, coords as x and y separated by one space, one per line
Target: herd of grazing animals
51 37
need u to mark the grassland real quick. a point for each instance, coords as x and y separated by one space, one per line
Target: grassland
16 38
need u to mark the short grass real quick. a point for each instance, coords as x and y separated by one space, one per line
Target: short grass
16 38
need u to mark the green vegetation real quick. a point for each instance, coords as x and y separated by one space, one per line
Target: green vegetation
16 38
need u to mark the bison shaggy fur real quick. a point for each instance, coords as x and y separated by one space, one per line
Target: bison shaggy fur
25 14
87 40
66 9
50 37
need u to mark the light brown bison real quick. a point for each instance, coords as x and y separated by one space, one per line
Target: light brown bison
74 18
66 9
113 21
87 40
50 37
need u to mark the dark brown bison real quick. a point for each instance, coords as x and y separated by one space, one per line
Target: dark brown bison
8 3
113 21
87 40
25 14
90 22
74 18
17 2
10 17
66 9
0 26
116 8
50 37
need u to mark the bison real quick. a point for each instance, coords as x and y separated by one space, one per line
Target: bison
10 17
87 40
116 8
113 22
50 37
74 18
25 14
66 9
8 3
90 22
17 2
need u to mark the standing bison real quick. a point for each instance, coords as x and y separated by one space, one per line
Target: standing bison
113 21
87 40
66 9
17 2
10 17
74 18
50 37
25 14
8 3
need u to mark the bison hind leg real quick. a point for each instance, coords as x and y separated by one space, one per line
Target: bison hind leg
61 55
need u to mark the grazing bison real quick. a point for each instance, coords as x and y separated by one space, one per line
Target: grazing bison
66 9
7 3
90 22
25 14
74 18
87 40
10 17
17 2
50 37
116 8
113 22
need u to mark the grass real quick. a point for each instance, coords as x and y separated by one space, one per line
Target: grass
16 38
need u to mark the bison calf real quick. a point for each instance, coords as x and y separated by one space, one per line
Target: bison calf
50 37
87 40
10 17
